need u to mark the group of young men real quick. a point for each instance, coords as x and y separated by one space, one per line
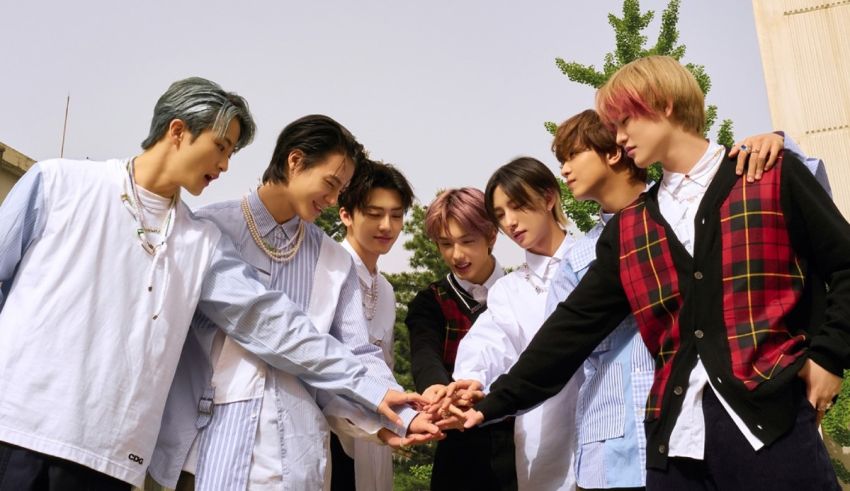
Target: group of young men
239 347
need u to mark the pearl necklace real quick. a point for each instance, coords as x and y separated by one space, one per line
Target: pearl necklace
285 253
370 296
137 209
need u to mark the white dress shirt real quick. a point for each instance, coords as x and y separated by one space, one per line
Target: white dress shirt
678 200
516 308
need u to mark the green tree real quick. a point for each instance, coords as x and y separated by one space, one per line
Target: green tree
630 44
330 222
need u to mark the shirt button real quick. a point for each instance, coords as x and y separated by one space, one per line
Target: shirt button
699 334
678 390
698 275
662 449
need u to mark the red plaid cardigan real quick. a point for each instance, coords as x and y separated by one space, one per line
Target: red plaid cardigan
701 305
437 321
762 281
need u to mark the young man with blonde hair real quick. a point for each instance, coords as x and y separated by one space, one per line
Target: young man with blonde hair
738 291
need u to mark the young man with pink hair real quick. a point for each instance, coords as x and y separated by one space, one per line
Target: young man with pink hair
439 318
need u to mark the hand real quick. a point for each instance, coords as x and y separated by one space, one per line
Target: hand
434 393
395 398
468 385
421 431
761 150
822 386
473 418
452 422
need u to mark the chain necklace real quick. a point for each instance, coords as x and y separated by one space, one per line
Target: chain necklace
370 296
285 253
137 209
526 273
462 295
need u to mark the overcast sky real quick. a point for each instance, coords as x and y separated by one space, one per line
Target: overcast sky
447 91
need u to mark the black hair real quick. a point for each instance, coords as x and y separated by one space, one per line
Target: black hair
316 136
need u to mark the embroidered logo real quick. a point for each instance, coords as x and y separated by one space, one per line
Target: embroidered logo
135 458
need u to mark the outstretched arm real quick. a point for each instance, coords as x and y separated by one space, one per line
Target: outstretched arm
22 217
569 335
268 324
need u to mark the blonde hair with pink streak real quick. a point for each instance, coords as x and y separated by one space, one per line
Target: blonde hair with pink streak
646 87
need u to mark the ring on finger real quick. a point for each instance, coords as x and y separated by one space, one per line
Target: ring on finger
744 148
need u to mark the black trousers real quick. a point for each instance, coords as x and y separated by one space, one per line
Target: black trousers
25 470
479 459
342 467
798 461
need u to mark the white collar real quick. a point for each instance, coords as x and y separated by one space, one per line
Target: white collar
701 173
497 273
362 271
542 266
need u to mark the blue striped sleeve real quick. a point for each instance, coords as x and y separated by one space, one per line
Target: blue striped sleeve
22 217
268 324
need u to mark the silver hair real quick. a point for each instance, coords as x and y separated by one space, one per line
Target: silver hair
201 104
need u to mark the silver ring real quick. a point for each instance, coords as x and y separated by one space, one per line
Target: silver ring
745 148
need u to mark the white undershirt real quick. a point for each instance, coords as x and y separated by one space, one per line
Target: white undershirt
678 200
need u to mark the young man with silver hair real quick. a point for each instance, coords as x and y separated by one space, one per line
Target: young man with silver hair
102 266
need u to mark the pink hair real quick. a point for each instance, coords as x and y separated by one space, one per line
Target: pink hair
466 206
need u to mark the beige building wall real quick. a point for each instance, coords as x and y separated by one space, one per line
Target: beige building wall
805 52
13 164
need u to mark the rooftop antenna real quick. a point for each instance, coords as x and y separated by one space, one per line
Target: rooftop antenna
65 126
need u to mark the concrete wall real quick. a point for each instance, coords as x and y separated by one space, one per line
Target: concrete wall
805 51
13 164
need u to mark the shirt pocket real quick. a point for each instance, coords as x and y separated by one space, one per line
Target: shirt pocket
602 404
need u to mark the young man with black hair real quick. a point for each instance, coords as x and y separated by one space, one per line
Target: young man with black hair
372 208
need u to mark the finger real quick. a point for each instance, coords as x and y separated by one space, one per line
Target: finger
742 160
772 154
439 394
456 411
416 399
734 150
385 410
450 389
473 418
756 165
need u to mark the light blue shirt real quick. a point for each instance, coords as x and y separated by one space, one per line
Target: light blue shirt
226 443
265 322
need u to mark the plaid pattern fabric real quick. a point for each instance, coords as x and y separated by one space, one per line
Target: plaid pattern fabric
458 322
651 283
762 280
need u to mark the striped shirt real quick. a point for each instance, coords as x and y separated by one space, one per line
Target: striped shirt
240 448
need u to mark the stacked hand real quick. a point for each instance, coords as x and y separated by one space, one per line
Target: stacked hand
452 404
421 429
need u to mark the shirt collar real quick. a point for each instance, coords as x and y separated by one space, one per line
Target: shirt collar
700 174
543 266
497 273
264 219
360 266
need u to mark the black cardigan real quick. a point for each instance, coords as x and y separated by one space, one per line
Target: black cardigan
819 235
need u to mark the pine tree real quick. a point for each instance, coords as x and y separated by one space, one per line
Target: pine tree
630 44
